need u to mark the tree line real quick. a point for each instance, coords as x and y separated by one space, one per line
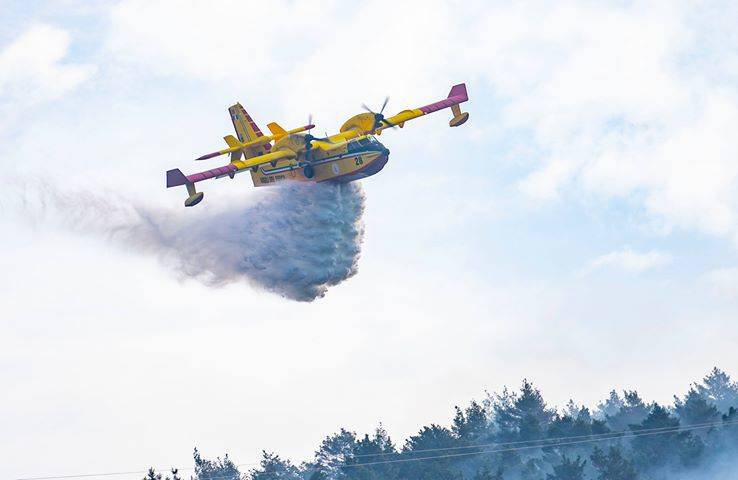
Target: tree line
515 435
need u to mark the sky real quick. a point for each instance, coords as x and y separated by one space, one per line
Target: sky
580 230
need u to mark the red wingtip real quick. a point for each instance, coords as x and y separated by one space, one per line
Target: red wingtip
209 155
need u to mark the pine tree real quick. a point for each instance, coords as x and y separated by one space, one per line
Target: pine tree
691 450
695 409
436 438
729 430
610 407
376 448
504 415
632 412
532 469
568 469
718 389
272 467
334 453
485 473
217 469
152 475
612 465
433 437
575 423
655 450
470 425
522 416
531 411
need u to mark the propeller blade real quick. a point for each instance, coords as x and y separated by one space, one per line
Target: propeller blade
363 105
386 99
309 139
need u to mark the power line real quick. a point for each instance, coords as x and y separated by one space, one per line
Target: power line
541 443
528 447
83 475
134 472
550 439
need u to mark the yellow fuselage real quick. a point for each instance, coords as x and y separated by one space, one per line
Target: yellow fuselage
356 159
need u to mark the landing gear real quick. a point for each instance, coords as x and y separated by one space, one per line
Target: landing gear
195 197
459 116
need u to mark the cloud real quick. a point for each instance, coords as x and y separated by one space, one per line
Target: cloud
723 281
627 260
623 103
214 41
32 68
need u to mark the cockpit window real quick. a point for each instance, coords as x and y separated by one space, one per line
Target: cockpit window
362 143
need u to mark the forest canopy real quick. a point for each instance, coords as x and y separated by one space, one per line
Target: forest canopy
516 435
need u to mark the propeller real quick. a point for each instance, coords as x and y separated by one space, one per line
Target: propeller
379 119
309 139
309 136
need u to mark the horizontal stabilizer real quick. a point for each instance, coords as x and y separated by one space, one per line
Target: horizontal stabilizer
277 131
176 178
232 141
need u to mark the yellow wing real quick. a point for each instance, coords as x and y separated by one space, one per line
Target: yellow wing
375 123
285 154
456 96
176 177
335 142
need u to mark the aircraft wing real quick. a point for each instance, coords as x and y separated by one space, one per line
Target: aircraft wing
262 159
337 141
456 96
176 178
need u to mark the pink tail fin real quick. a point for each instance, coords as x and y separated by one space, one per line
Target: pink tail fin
176 178
459 91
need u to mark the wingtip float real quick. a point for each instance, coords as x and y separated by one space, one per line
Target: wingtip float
297 155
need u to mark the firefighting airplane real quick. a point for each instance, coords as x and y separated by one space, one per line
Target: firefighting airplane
290 155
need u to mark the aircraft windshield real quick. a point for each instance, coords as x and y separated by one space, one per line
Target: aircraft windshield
365 142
